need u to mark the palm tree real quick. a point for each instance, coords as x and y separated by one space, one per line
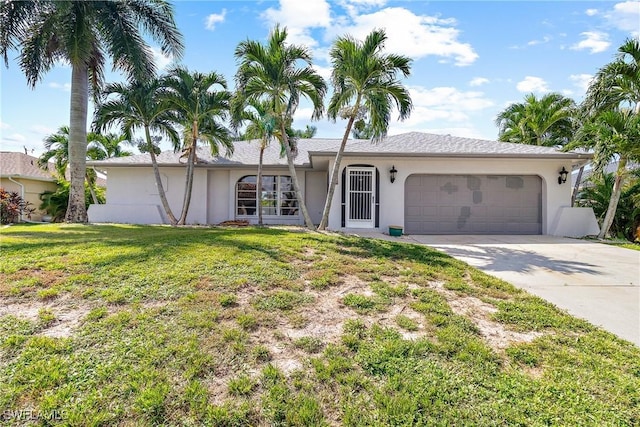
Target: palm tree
612 110
548 121
199 109
270 72
617 83
57 146
139 107
82 33
261 125
612 134
107 146
364 83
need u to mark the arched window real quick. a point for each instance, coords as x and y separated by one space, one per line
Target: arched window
278 196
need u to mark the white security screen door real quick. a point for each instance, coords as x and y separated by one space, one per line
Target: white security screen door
360 197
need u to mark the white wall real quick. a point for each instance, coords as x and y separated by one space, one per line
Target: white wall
392 196
132 195
136 186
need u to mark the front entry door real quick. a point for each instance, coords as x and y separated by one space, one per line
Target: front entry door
360 197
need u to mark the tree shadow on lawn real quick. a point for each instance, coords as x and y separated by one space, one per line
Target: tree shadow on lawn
129 237
492 258
369 247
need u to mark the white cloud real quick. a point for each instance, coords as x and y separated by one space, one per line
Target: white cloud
413 35
354 7
532 84
160 59
299 17
43 130
581 81
478 81
64 87
594 41
213 19
625 16
591 12
325 72
567 92
443 104
4 125
545 39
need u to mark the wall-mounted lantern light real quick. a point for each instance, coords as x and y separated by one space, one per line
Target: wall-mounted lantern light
563 176
392 174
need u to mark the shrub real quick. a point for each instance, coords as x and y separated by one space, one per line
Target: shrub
55 203
12 205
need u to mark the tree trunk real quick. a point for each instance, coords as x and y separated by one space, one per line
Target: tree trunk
188 186
191 160
335 173
615 198
92 190
259 185
76 209
577 186
294 179
156 174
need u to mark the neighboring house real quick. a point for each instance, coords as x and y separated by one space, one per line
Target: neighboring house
19 172
442 185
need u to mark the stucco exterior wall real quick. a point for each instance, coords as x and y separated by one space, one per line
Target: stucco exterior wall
136 186
132 194
554 196
32 191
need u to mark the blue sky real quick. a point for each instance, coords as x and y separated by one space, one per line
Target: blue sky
470 58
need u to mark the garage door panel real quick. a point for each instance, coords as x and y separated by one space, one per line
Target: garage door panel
473 204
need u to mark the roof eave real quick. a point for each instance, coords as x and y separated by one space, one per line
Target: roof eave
32 178
462 155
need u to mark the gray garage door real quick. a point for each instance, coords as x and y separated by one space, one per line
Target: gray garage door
473 204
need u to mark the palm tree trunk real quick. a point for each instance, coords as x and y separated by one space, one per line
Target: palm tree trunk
76 209
335 172
577 186
191 159
259 185
294 179
91 189
615 198
156 173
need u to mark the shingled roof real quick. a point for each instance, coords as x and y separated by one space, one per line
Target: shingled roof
20 165
413 144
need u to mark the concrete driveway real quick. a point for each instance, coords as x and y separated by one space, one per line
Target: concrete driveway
594 281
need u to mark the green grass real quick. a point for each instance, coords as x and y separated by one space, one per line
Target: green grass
192 326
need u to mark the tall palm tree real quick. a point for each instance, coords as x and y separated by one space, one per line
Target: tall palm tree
82 33
199 109
547 121
138 106
612 110
365 83
271 72
261 125
612 134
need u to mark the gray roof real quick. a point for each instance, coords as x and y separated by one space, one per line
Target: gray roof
22 165
425 144
411 144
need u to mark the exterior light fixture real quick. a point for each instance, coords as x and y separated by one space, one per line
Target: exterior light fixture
392 174
563 176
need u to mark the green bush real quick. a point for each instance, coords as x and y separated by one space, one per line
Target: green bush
55 203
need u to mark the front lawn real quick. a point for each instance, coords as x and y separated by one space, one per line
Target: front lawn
135 325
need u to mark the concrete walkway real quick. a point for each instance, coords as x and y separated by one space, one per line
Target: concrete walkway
594 281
